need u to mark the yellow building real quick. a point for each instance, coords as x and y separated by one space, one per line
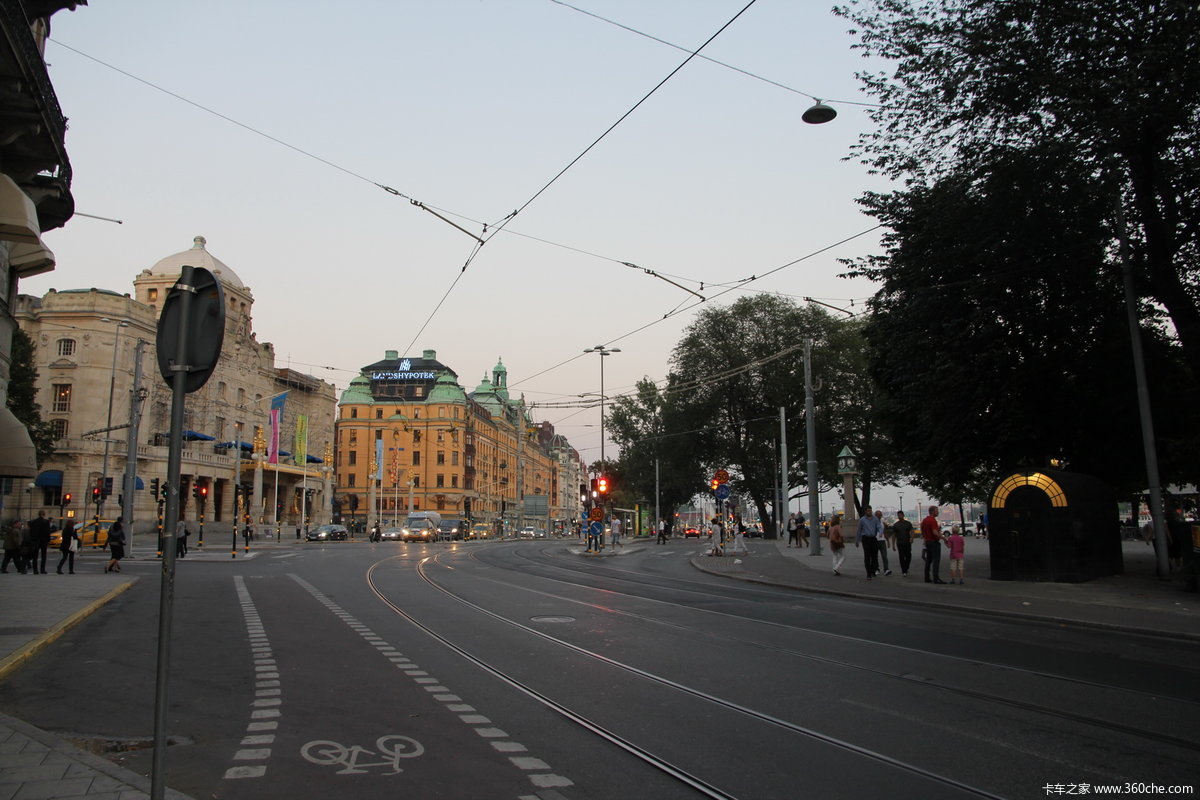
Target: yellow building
409 437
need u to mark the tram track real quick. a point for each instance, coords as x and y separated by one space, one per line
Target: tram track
961 691
611 736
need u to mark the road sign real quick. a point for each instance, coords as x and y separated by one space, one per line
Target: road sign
596 514
722 491
596 528
721 476
204 333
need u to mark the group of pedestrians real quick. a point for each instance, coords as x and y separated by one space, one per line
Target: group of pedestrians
874 537
28 549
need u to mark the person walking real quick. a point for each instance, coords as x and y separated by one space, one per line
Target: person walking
664 531
902 532
868 536
12 548
616 532
883 542
39 540
68 546
957 544
837 546
931 534
181 534
116 544
802 530
793 529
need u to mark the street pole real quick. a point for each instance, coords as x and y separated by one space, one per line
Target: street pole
781 511
112 385
604 353
128 485
814 480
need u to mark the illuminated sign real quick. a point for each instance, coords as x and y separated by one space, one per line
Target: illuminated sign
403 376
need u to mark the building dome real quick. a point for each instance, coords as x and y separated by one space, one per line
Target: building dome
197 256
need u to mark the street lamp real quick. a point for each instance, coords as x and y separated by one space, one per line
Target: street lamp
603 351
112 385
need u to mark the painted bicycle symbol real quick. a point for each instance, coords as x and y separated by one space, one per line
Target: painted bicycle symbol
391 747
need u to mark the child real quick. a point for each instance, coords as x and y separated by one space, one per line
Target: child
836 544
956 543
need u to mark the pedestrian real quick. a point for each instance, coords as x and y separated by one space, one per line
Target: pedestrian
869 530
793 529
902 533
616 532
12 548
883 542
69 545
931 534
116 544
39 541
802 530
181 534
248 533
837 545
664 531
957 544
717 536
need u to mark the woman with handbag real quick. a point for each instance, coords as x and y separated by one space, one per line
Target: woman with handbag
69 546
116 543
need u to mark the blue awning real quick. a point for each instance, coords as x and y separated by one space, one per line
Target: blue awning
137 482
49 477
192 436
315 460
246 446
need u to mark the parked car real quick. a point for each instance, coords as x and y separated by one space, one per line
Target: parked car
328 533
389 535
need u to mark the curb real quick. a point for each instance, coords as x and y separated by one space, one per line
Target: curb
984 612
90 760
11 662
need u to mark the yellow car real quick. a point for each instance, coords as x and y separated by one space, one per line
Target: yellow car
89 534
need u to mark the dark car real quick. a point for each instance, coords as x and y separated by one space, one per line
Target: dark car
450 530
328 533
691 531
389 535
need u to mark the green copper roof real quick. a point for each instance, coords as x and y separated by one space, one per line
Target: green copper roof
359 391
446 390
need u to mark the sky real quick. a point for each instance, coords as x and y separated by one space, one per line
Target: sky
269 128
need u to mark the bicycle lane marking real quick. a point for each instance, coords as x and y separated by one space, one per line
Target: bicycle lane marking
537 770
266 708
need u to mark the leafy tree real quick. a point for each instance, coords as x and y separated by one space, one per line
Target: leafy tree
736 366
22 395
1116 82
647 429
999 337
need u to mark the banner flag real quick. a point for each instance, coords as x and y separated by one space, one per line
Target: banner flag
301 448
378 458
276 424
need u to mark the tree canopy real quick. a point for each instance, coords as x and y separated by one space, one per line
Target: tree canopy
22 395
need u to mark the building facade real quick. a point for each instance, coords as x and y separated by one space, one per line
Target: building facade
410 438
97 366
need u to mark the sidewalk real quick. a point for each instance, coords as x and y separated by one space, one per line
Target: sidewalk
1136 602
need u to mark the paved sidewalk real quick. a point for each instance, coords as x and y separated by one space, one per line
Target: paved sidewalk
1136 601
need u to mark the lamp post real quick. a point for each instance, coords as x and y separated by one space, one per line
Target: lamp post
603 351
112 384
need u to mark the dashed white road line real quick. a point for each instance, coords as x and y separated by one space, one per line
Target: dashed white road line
537 770
265 711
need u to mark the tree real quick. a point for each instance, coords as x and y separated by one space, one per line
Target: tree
735 367
999 337
22 395
647 429
1113 81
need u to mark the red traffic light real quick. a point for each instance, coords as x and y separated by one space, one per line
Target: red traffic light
66 501
602 485
203 492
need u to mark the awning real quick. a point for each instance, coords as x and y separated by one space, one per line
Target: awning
246 446
192 436
137 482
18 458
49 477
314 460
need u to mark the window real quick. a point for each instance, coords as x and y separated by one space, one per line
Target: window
453 481
353 457
441 481
354 413
418 391
416 458
241 396
416 437
66 347
221 390
350 478
416 481
379 413
152 295
60 427
441 458
454 459
354 438
220 428
62 397
441 437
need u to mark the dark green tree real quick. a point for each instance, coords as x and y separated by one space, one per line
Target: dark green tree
1114 82
22 395
999 336
736 366
649 432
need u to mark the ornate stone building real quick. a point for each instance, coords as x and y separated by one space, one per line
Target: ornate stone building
409 437
97 366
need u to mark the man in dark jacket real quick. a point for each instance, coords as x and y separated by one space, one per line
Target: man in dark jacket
39 537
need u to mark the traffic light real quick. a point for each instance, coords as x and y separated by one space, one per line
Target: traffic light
602 485
714 484
196 491
154 488
66 499
108 483
203 493
95 494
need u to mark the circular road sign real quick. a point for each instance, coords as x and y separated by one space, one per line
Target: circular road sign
721 476
596 514
722 492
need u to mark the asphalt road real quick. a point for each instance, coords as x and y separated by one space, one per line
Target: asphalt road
521 670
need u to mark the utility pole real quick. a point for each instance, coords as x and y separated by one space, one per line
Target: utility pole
128 485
